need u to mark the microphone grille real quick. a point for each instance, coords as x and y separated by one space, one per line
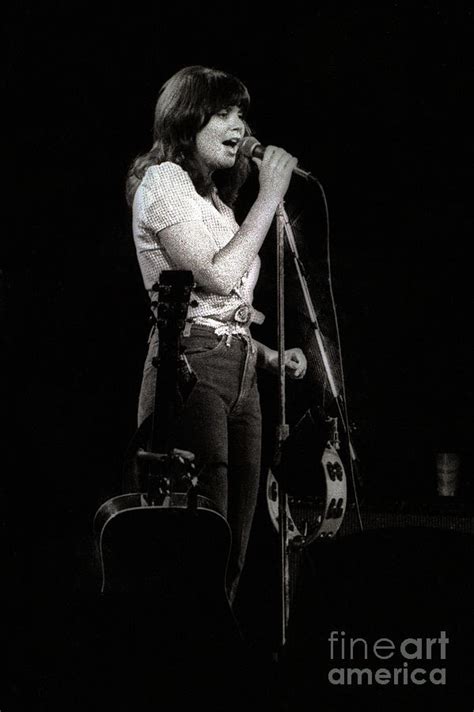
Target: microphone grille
247 146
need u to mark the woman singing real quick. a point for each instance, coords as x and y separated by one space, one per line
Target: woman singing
182 194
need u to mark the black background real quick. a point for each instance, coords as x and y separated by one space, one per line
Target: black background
375 101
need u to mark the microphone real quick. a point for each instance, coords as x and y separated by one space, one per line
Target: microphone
252 148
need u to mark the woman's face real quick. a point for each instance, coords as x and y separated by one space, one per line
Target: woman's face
217 142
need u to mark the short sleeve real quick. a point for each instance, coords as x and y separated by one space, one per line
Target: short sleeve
169 196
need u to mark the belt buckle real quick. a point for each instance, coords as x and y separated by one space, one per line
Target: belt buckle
242 314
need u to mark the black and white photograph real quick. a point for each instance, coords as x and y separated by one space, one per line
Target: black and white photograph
236 383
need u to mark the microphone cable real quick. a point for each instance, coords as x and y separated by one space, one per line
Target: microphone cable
352 458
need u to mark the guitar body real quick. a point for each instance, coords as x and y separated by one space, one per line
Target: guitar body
175 550
164 620
163 573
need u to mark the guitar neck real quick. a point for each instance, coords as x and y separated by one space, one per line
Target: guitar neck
174 291
166 395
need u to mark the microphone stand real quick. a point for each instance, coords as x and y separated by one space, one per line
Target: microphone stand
282 427
284 229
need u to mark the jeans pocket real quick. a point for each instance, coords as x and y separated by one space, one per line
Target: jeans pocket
203 345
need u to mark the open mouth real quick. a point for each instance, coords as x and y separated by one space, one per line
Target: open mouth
232 142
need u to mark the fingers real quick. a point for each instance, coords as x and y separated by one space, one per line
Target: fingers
295 356
295 363
278 158
295 371
275 173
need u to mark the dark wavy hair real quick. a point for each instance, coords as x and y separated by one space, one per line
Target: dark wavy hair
185 104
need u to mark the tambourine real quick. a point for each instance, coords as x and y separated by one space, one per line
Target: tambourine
313 516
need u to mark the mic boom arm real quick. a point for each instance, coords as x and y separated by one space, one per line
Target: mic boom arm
283 217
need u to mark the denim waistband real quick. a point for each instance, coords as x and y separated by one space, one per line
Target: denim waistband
226 328
205 329
220 333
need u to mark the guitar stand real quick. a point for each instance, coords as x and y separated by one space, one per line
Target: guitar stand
168 473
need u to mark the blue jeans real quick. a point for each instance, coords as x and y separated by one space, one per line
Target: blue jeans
221 424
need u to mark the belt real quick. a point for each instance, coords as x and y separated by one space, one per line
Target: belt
238 321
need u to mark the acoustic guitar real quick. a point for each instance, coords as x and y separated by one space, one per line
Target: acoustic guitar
165 541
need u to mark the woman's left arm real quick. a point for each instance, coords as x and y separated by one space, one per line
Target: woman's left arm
295 360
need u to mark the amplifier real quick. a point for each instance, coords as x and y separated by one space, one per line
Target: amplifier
443 513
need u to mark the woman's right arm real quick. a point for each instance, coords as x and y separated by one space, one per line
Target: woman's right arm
189 247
